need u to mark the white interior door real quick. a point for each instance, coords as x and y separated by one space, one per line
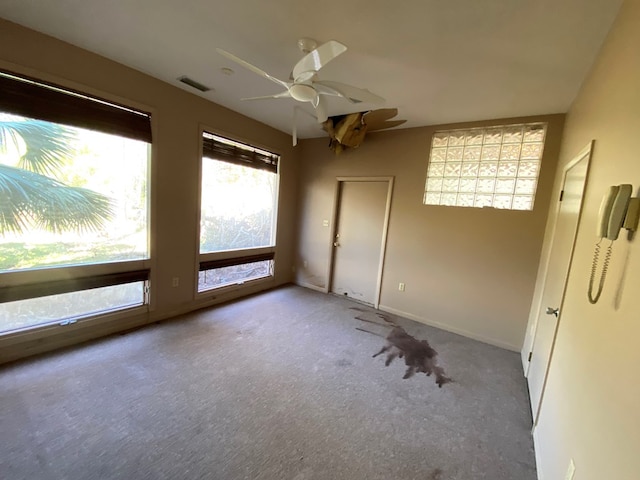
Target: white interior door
550 313
359 239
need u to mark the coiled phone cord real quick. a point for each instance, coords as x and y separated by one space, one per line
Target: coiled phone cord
594 266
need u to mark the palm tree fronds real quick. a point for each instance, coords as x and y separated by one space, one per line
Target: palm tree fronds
73 208
47 145
29 198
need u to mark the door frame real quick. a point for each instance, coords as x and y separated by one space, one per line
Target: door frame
385 229
585 152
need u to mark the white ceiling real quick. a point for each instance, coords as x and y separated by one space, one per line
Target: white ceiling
437 61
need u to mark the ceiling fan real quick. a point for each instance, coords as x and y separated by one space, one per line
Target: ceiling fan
304 84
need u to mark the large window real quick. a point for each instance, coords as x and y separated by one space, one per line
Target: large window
74 229
485 167
238 212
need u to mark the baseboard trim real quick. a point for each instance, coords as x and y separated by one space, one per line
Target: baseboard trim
34 342
536 453
311 287
449 328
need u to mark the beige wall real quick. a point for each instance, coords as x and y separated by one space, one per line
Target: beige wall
176 118
466 270
591 406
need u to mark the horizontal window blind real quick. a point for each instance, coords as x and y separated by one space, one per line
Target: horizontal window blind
32 98
229 262
219 148
43 289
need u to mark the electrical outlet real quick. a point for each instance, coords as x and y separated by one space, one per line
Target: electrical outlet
325 223
175 281
401 287
571 470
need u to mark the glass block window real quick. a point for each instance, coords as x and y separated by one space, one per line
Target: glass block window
485 167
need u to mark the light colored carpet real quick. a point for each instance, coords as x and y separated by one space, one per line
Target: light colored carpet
275 386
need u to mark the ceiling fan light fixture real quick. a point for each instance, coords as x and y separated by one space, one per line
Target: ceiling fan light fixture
303 92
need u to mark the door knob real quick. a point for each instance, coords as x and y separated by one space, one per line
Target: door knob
553 311
336 244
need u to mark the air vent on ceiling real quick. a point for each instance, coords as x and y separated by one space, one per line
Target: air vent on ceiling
192 83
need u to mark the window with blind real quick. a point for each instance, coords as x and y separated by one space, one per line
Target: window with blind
74 227
238 212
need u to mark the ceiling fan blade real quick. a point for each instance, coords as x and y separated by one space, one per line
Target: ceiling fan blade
382 125
316 59
253 68
351 93
380 115
326 90
321 109
284 94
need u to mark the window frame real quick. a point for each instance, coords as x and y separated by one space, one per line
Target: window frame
101 110
236 256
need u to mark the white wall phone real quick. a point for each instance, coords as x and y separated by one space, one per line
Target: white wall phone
613 210
617 210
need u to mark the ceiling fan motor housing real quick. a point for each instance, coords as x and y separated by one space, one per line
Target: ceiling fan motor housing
302 92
